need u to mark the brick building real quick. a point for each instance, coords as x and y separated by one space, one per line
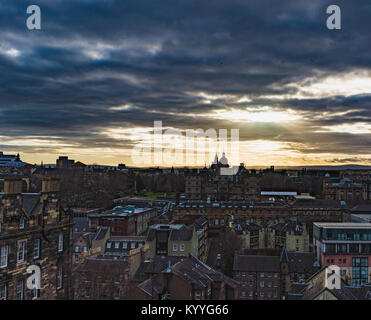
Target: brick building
34 230
269 277
123 221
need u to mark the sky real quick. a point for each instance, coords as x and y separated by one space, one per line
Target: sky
93 80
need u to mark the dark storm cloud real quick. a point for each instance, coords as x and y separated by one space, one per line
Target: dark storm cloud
156 56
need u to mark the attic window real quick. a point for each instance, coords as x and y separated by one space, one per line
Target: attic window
21 224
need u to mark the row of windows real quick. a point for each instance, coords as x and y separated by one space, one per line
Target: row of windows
21 251
262 274
125 244
181 247
269 294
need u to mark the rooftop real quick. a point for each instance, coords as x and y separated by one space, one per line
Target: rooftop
343 225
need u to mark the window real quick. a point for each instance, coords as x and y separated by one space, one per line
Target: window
262 284
59 278
3 292
109 244
76 248
133 245
197 295
87 291
36 249
20 288
76 258
21 224
182 247
60 242
116 293
125 245
85 249
117 245
21 251
4 257
175 247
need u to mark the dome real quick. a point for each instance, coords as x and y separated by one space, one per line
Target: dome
223 159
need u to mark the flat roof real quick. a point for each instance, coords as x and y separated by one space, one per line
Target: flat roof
278 193
343 225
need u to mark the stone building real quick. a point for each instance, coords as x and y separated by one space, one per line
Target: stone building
172 240
106 277
209 183
34 230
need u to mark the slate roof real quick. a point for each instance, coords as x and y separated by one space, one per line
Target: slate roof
196 272
30 203
102 232
181 233
104 265
155 265
317 203
256 263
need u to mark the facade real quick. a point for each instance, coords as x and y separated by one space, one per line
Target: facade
172 240
270 277
221 214
346 189
34 230
106 277
347 245
291 235
82 238
209 183
202 226
252 234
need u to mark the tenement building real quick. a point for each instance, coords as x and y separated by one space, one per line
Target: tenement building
34 231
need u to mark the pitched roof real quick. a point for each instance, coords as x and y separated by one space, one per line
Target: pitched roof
256 263
198 273
104 265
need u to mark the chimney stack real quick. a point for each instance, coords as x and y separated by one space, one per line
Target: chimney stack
13 186
50 185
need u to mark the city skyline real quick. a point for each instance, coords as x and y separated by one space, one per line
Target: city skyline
90 87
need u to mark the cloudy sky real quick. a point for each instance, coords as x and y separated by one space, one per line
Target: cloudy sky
93 80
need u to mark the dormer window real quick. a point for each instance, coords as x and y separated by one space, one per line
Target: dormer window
21 224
